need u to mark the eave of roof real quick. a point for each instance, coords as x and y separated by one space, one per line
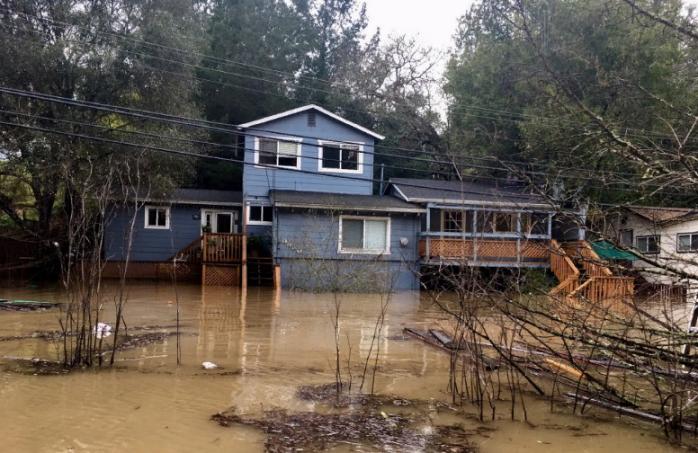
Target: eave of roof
464 201
351 202
295 111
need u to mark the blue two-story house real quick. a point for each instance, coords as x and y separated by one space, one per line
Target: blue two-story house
308 196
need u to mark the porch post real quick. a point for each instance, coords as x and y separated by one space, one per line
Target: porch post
428 230
518 237
475 214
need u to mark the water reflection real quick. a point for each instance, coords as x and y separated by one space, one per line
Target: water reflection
267 343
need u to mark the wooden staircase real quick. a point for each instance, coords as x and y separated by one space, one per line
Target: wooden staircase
595 282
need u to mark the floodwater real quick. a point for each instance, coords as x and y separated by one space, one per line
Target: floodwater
266 344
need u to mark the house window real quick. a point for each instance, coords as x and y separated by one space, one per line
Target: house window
157 217
534 223
496 222
259 215
340 157
454 221
626 238
364 235
279 153
647 244
687 242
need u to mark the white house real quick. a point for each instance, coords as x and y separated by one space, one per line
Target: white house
664 236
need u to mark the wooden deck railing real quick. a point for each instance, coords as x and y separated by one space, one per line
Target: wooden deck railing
190 254
592 263
564 269
222 248
606 289
483 249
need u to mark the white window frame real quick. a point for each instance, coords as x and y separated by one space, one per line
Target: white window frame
646 236
214 219
298 141
259 222
156 227
678 243
364 251
359 162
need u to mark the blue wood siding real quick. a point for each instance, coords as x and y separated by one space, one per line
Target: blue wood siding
306 247
258 181
152 244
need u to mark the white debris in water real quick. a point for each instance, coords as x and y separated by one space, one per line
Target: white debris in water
209 366
102 330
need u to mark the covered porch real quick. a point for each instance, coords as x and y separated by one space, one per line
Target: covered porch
486 236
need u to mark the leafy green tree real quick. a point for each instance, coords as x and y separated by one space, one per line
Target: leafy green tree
111 52
531 79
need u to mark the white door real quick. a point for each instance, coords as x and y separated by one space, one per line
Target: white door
219 221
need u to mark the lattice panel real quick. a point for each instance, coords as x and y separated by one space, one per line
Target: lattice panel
451 248
221 275
535 250
496 249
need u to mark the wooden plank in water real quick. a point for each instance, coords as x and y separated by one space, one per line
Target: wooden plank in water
443 338
19 304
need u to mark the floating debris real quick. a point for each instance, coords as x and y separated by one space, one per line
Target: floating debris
291 432
209 366
102 330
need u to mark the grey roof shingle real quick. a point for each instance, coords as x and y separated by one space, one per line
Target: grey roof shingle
206 197
465 192
324 200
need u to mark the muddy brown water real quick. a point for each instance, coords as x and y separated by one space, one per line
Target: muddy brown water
267 344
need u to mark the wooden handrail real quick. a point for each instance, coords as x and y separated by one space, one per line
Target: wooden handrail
191 250
564 269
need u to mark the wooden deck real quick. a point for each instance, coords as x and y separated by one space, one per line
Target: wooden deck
582 275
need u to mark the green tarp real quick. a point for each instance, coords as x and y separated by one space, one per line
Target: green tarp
608 251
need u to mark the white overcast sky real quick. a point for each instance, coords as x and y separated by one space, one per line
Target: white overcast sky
432 22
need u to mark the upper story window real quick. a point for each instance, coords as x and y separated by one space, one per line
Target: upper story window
278 152
157 217
687 242
647 244
340 157
364 235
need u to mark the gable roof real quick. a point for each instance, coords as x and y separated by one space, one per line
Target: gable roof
465 192
324 200
661 215
268 119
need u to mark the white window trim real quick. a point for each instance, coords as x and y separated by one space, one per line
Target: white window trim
360 160
298 142
678 242
233 217
646 236
156 227
258 222
364 251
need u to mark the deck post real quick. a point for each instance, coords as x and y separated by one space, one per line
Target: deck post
277 276
243 252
